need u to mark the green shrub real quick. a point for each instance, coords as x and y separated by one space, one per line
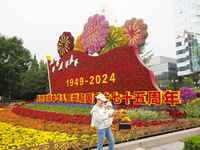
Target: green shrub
192 143
147 114
192 109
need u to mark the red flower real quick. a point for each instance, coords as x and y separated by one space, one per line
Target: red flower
65 43
51 116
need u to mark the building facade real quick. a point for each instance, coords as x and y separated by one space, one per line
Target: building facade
187 26
187 16
188 53
165 70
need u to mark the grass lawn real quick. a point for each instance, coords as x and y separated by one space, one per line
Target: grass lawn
78 110
60 109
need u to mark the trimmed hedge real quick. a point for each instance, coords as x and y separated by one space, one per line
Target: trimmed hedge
192 143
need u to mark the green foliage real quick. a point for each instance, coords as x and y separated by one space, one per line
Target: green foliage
192 109
196 90
14 60
61 109
35 80
188 82
171 86
147 114
192 143
21 76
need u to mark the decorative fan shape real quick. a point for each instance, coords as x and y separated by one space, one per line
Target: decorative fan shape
136 30
95 33
65 43
116 38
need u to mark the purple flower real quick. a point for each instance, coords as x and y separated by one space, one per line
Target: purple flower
95 33
187 94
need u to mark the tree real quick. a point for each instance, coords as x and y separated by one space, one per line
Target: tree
35 80
187 81
171 86
14 60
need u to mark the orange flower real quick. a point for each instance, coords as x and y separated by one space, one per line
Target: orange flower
78 44
136 30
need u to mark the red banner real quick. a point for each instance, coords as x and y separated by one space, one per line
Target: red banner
128 98
118 70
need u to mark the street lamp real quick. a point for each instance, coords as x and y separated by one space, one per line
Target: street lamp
174 81
198 84
195 84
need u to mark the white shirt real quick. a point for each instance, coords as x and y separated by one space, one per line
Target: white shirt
100 117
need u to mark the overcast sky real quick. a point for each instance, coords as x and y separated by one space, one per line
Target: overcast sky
40 22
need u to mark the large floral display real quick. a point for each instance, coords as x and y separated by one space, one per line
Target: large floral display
105 58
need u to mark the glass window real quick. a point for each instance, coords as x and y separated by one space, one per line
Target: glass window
180 51
178 44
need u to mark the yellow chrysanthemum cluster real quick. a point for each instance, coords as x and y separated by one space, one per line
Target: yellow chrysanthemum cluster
13 137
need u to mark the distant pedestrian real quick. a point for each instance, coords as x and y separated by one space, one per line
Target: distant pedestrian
101 120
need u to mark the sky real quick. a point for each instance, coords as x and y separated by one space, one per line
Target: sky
39 23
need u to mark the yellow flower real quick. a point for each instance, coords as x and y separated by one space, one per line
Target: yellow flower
13 137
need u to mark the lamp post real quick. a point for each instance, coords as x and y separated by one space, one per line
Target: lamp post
198 84
174 81
195 84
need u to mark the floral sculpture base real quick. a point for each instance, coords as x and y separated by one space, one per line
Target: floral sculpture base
118 70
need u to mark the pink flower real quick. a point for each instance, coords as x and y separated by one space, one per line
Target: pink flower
95 33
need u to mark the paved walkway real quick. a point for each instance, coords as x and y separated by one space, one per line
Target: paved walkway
171 146
171 141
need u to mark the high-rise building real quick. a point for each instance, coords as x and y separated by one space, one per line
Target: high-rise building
165 70
188 53
187 26
187 16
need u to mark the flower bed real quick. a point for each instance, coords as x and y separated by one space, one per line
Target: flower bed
141 123
51 116
141 114
65 113
177 114
71 108
13 137
70 114
87 134
191 109
9 117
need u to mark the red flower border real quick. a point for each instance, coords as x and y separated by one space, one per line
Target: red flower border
51 116
79 119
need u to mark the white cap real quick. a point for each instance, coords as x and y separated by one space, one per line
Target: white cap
109 104
101 97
